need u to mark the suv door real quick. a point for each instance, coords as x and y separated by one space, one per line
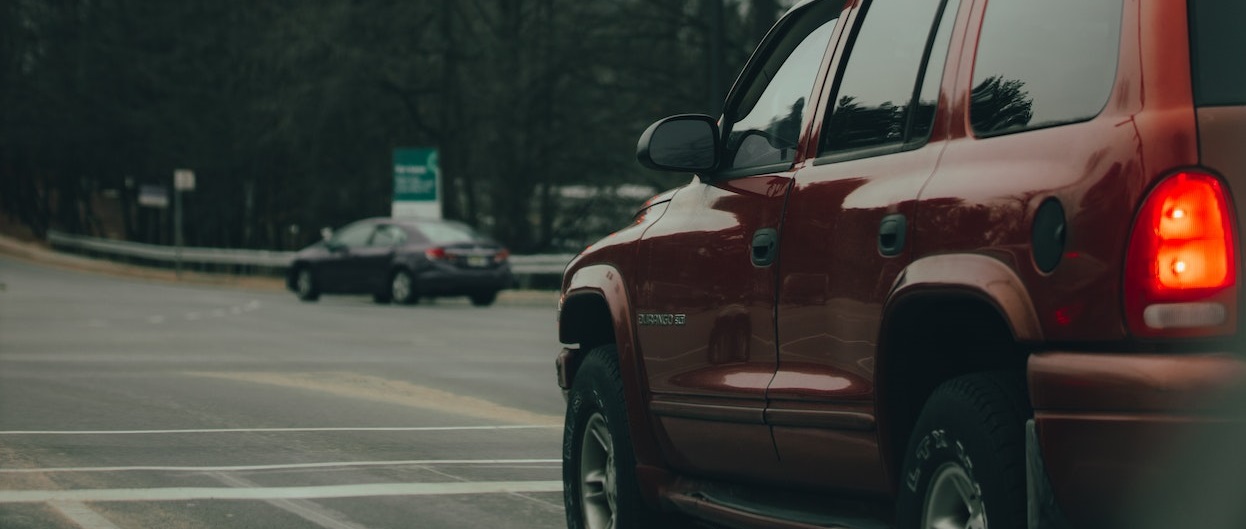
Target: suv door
704 285
846 238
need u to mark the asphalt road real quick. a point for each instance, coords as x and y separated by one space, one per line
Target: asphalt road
133 404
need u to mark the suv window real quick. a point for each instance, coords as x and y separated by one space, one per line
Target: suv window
768 119
1041 64
884 79
1218 44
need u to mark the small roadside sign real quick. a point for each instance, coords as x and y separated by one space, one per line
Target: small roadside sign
183 180
153 196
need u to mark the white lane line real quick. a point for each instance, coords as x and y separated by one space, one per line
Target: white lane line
292 466
307 510
281 430
81 515
277 493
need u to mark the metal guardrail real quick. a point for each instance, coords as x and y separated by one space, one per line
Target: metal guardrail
245 259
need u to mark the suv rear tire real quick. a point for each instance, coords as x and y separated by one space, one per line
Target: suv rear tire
965 463
598 467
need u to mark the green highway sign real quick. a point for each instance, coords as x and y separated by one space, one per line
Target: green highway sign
417 183
415 175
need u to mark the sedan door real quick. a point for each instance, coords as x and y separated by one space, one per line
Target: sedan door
338 271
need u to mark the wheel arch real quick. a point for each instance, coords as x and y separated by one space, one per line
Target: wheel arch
595 310
292 272
947 316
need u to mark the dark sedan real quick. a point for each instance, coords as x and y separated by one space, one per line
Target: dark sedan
402 260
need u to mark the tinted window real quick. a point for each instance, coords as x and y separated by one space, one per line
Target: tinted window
448 233
388 236
1043 63
874 102
354 235
773 105
1219 43
928 96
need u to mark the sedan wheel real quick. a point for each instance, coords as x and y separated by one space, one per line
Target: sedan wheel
305 285
402 288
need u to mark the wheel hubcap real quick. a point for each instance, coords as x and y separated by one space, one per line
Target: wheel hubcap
954 501
401 287
304 282
597 475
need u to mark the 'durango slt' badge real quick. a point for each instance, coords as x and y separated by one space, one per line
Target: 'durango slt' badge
661 320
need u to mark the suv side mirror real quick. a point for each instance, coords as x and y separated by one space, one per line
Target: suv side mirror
684 143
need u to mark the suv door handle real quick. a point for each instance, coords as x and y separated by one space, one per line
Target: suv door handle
765 246
891 235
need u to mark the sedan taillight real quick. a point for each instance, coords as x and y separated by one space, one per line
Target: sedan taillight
501 256
435 254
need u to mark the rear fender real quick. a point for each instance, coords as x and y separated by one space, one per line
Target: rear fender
951 278
978 275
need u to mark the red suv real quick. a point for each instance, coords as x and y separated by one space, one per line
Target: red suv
957 263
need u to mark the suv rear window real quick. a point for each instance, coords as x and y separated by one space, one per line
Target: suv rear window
1218 41
1042 64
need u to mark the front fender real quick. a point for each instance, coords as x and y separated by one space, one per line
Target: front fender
594 286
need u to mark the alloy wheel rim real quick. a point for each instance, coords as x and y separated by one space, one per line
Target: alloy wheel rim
954 500
598 484
401 287
304 282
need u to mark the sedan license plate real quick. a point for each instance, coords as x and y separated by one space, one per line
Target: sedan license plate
477 261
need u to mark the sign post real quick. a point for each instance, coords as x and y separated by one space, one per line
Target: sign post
183 180
417 183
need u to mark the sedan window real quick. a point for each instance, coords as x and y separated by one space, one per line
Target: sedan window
353 235
387 235
448 233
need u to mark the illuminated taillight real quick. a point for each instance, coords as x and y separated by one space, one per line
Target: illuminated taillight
436 253
1181 272
501 256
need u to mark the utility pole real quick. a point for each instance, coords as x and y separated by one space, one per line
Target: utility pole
183 180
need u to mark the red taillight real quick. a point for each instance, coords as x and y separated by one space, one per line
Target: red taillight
435 253
501 256
1181 277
